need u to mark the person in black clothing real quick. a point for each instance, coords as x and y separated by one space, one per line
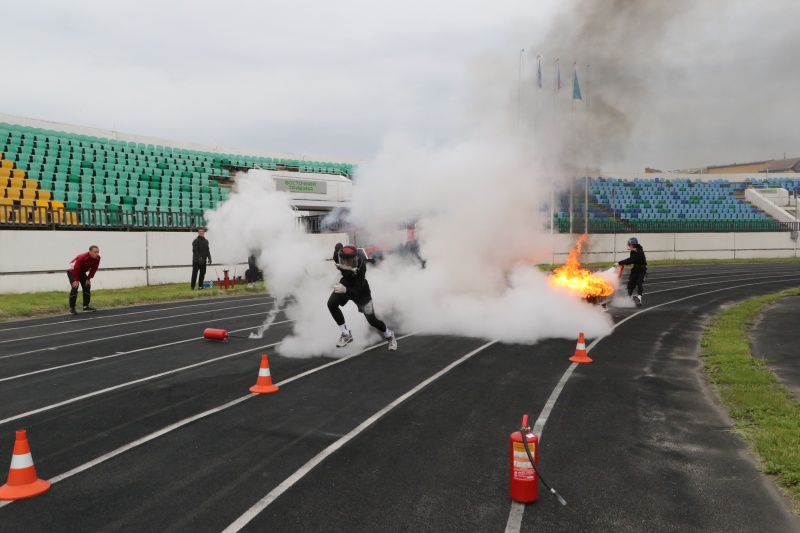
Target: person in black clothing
201 254
253 274
638 270
354 286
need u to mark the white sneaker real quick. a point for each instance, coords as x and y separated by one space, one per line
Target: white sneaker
638 300
392 343
250 285
344 340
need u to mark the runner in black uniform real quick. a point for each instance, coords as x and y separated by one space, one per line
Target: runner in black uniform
354 286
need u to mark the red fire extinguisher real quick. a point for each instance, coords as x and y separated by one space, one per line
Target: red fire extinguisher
524 485
525 476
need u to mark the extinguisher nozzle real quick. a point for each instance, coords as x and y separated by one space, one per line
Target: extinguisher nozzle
561 500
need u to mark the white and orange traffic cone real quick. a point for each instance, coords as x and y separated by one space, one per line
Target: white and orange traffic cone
580 351
264 382
22 480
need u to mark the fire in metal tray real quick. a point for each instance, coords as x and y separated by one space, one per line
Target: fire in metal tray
577 279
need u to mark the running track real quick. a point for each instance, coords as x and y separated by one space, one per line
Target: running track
141 425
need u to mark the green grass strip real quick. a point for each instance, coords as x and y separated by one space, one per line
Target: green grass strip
765 413
35 304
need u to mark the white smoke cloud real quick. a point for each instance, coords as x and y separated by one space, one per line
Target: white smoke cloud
481 229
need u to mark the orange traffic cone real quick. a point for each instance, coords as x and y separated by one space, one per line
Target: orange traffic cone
22 480
264 382
580 351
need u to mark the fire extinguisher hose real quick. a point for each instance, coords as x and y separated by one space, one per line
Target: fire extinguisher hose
522 431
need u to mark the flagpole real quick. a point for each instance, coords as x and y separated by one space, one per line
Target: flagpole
519 91
588 147
588 137
554 145
538 86
571 140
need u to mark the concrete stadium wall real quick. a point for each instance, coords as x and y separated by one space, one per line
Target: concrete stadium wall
37 261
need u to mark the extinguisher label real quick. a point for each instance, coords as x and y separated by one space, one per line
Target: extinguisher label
522 465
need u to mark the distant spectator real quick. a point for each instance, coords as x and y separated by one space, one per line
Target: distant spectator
201 255
253 274
81 271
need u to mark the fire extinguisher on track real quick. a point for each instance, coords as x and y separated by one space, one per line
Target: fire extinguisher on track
524 474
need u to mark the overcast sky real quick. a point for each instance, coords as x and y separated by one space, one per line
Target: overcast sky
672 84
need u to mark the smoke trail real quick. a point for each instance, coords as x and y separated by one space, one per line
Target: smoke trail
259 333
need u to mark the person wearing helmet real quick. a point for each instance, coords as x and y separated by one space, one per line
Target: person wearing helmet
638 270
353 285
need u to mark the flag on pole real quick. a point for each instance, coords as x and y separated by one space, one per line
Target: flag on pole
538 72
576 88
558 76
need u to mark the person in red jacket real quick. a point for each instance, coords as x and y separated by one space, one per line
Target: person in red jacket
81 271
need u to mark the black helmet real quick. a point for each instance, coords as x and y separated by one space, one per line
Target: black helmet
633 241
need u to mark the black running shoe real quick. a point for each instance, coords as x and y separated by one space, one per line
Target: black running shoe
89 309
72 311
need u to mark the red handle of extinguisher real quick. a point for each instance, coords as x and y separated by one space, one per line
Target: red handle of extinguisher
524 421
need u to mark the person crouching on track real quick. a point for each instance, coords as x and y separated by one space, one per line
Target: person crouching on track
81 271
354 286
638 270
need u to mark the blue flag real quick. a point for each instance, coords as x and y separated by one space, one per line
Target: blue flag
538 73
576 88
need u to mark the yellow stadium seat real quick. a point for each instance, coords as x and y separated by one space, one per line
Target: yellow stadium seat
22 214
40 215
17 173
6 207
70 218
27 202
31 184
13 193
5 173
29 193
17 183
5 163
57 205
45 196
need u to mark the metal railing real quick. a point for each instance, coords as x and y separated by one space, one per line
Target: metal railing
27 217
562 225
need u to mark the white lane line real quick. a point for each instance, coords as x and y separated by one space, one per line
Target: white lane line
101 358
262 504
222 300
726 281
139 332
189 420
134 382
658 280
514 522
73 331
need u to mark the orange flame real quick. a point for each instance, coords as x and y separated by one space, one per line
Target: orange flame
578 279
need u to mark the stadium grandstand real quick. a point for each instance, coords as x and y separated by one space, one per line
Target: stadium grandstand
55 178
679 204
